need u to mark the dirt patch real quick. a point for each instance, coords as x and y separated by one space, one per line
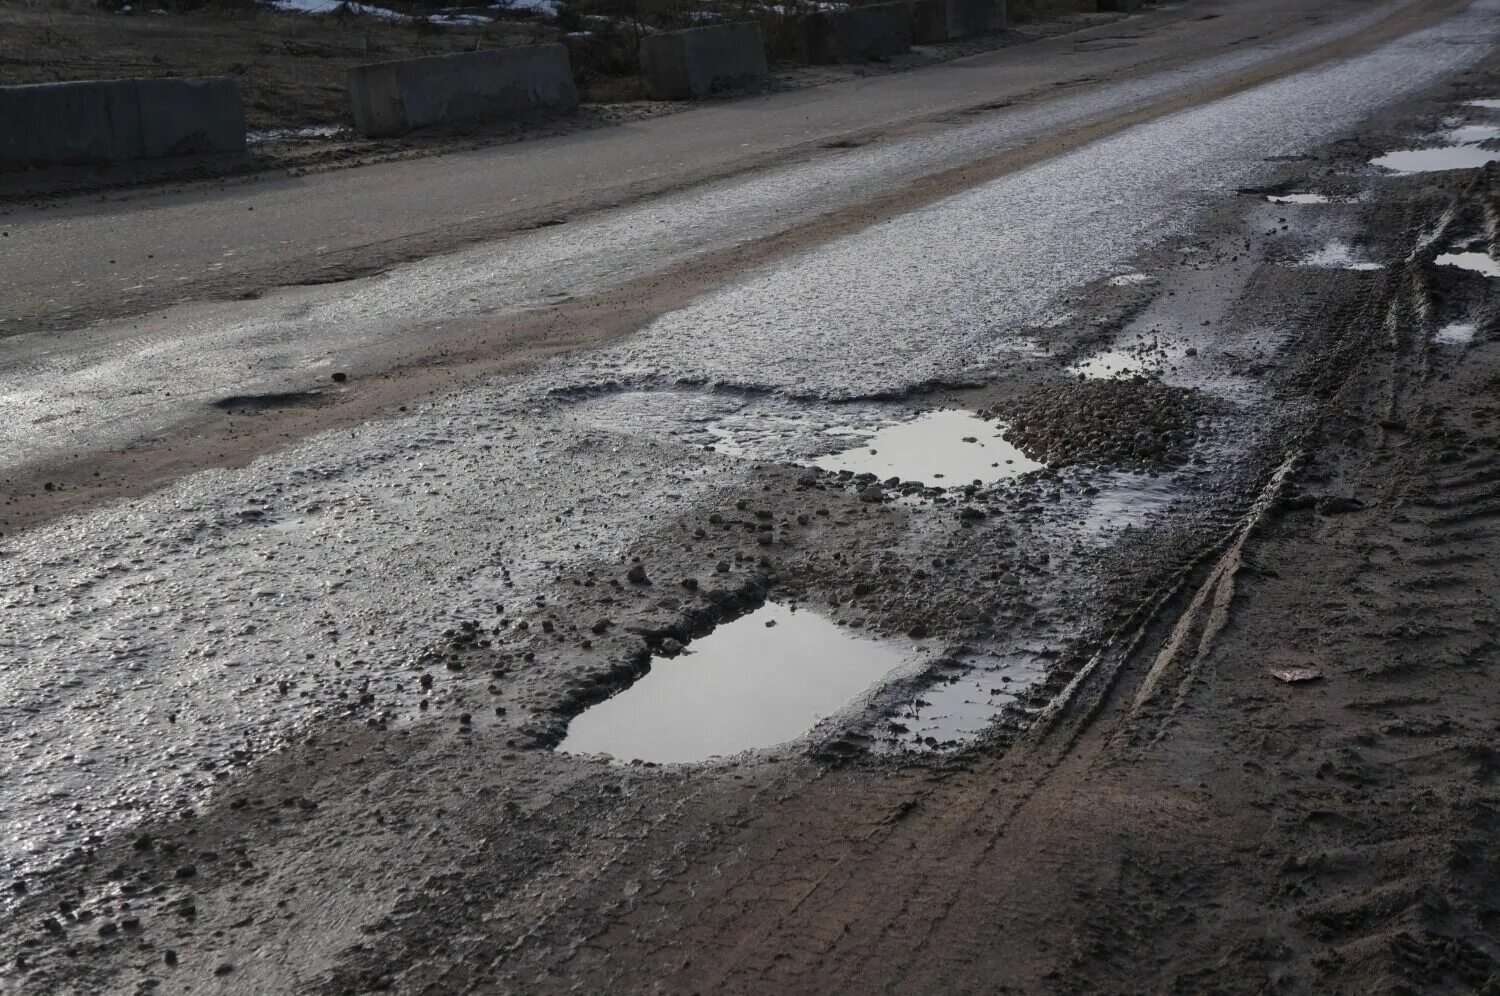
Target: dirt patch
1136 423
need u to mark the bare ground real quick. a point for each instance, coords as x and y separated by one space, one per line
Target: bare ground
1170 816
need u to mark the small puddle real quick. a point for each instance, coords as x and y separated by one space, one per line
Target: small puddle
764 679
1436 160
1473 134
952 446
1130 279
1455 334
1477 262
1487 104
1299 198
1120 361
1338 256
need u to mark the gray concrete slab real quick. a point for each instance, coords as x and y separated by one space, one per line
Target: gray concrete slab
698 62
100 121
858 34
391 98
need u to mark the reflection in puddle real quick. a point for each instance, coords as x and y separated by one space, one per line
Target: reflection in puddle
1455 334
1338 255
955 446
1434 160
1478 262
763 679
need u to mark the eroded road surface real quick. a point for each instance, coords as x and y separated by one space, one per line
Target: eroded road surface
1045 544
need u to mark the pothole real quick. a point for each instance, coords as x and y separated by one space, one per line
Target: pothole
1127 361
948 445
1475 262
1338 255
764 679
1436 160
1302 198
250 404
1473 134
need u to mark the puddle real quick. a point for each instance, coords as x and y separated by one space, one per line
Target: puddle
1338 255
1299 198
1455 334
1120 361
1488 104
764 679
963 707
1130 279
1478 262
952 446
1473 134
1435 160
1128 500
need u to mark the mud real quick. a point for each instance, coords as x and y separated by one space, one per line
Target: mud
1085 776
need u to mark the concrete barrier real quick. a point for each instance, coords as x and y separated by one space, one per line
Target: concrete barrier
696 62
1120 6
100 121
950 20
856 34
389 98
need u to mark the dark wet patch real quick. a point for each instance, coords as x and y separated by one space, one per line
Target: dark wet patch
254 404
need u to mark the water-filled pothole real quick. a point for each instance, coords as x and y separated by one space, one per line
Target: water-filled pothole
1477 262
1338 255
1473 134
1306 198
764 679
955 447
1145 357
1436 160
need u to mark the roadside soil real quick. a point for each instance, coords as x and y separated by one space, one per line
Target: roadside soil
1165 814
292 69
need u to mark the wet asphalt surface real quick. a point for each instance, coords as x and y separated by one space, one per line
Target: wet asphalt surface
496 560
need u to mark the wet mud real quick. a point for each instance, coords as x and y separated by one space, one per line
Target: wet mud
369 714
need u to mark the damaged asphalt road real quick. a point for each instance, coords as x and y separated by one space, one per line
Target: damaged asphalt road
1028 474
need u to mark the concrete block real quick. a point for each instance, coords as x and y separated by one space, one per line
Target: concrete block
950 20
190 117
856 34
390 98
697 62
1120 6
102 121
